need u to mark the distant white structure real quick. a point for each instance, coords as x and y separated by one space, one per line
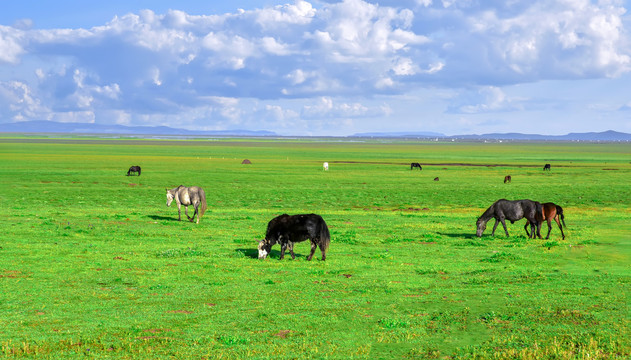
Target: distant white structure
325 166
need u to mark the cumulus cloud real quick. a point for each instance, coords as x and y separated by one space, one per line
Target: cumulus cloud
326 107
486 99
175 66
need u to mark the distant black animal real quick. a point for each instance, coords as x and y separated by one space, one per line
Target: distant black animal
550 211
507 179
134 169
436 179
546 167
417 165
289 229
512 210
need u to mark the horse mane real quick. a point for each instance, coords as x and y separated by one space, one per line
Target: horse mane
489 213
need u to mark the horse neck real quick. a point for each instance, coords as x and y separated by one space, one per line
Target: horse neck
488 214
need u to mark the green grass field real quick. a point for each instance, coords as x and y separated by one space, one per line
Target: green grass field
93 264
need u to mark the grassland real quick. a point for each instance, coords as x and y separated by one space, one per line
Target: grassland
93 264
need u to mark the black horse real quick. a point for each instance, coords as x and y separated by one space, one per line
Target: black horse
512 210
289 229
417 165
134 169
546 167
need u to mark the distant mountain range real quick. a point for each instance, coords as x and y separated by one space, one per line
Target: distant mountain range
88 128
589 136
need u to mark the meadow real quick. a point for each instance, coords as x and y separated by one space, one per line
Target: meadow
94 265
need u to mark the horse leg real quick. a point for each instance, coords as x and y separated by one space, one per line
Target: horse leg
314 246
323 251
560 228
291 250
179 212
526 227
505 229
186 212
196 206
549 228
494 227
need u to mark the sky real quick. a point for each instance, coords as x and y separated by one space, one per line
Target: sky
313 68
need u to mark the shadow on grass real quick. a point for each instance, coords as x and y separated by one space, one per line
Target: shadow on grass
459 236
273 255
161 218
251 253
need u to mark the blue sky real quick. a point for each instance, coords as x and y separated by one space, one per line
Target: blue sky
320 67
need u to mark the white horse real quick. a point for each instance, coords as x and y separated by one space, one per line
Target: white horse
325 166
188 196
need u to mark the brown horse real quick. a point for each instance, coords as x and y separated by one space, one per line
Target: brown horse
507 179
550 211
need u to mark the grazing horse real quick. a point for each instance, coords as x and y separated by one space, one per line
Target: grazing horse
415 165
289 229
507 179
134 169
325 166
549 212
188 196
512 210
546 167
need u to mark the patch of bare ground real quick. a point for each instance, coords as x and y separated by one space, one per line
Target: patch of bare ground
283 333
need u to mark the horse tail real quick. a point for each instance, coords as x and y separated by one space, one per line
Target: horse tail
325 236
561 215
202 200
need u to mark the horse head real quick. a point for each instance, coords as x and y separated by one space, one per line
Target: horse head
170 197
265 247
481 226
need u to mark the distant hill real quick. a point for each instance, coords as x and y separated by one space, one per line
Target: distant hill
88 128
589 136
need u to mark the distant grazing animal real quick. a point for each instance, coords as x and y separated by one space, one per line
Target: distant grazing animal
325 166
512 210
415 165
550 211
436 179
289 229
546 167
134 169
507 179
188 196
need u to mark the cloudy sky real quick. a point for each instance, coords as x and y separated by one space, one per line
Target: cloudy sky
320 67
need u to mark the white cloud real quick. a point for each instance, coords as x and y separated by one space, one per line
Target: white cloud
334 56
11 40
325 107
485 100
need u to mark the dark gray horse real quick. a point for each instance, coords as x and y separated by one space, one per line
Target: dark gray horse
289 229
188 196
133 169
512 210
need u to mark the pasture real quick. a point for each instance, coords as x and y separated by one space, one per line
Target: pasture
93 264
